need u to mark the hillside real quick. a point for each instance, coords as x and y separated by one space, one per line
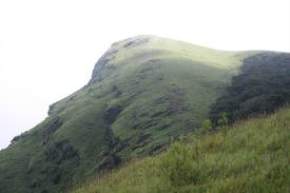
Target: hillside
144 92
251 156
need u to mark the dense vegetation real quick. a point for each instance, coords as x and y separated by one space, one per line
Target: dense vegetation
143 92
252 156
261 87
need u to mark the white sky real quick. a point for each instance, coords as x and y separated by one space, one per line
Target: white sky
48 48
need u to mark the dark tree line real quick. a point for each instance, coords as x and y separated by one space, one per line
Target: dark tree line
262 86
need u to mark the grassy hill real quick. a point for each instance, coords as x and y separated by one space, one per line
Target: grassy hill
251 156
144 92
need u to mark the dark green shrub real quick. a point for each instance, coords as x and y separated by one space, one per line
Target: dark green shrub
206 126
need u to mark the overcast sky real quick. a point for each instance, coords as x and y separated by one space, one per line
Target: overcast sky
48 48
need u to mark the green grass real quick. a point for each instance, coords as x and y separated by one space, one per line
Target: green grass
251 156
179 49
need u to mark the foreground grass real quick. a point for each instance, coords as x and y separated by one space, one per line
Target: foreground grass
252 156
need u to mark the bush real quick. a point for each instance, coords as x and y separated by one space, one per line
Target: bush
179 165
206 126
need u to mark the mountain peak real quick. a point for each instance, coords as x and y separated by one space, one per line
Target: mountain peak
144 48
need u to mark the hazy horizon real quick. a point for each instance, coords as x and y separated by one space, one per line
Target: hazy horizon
48 49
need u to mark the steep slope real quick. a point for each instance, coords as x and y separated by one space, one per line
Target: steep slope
252 156
144 92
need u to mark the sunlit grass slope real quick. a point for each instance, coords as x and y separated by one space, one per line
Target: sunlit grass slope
250 157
